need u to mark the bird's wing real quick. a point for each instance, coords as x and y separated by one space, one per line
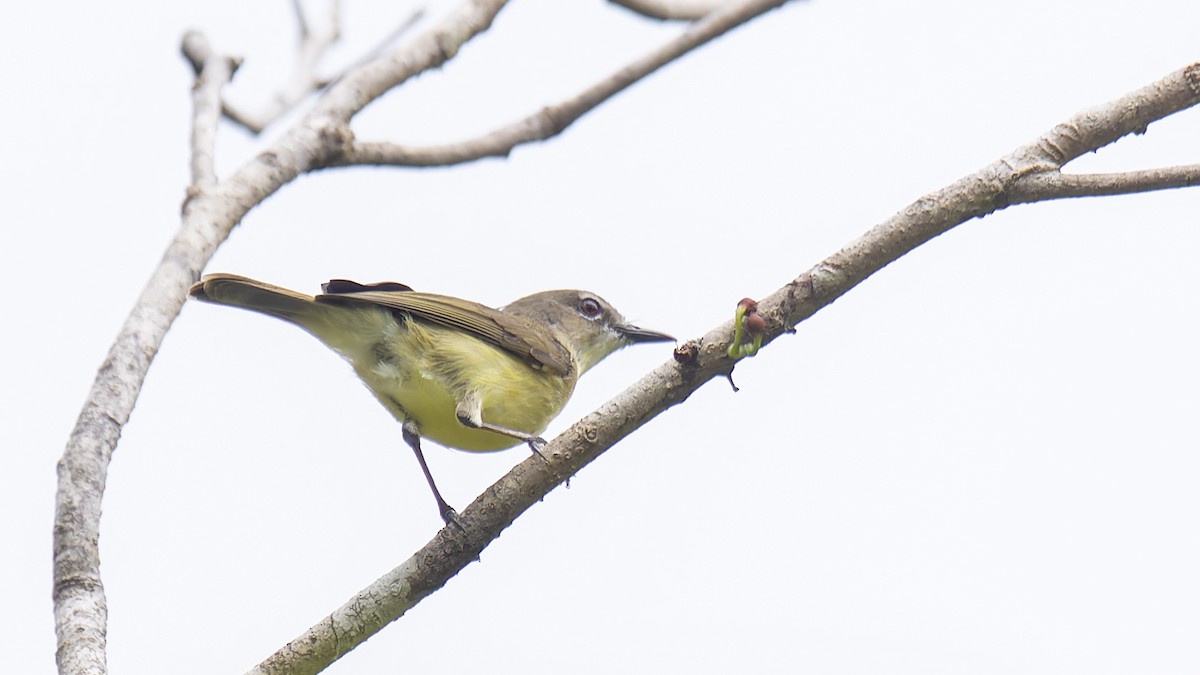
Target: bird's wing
511 333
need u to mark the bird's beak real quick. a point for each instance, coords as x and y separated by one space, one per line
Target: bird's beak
635 334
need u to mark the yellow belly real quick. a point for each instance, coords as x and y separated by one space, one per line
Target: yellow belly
422 372
431 404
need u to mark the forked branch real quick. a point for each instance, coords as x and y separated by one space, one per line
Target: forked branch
1025 175
552 119
315 42
211 209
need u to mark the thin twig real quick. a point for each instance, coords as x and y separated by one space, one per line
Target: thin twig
552 119
213 72
705 358
1055 185
400 31
302 24
304 80
672 10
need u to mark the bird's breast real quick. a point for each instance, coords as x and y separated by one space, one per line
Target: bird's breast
426 371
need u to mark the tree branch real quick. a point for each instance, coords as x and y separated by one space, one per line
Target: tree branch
1055 185
671 10
304 79
700 360
1038 165
213 73
80 607
553 119
210 211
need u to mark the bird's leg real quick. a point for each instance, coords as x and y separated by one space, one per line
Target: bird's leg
470 414
413 438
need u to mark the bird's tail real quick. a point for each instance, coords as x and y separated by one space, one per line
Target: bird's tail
235 291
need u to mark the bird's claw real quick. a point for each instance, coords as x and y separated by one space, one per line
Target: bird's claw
536 443
450 517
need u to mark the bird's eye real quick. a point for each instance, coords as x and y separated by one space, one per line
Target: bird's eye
589 307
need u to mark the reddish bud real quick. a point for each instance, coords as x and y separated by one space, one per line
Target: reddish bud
755 324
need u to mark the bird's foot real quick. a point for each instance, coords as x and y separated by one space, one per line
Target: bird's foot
536 443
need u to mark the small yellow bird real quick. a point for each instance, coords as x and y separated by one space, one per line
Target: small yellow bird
454 371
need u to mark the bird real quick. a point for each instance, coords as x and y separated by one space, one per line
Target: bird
456 372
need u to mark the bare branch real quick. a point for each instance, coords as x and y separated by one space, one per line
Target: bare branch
302 19
304 80
80 607
210 212
243 119
213 73
551 120
1047 185
705 358
400 31
335 19
671 10
367 82
1039 178
81 610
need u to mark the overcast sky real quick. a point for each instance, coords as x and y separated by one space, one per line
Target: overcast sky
983 459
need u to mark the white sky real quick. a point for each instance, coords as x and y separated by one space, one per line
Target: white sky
984 459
